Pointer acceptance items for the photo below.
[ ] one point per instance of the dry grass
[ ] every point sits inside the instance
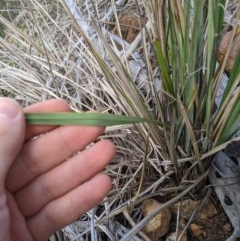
(46, 53)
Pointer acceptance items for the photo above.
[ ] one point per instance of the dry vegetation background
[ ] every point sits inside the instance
(45, 54)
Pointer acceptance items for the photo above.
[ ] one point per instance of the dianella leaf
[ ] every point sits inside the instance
(167, 82)
(85, 119)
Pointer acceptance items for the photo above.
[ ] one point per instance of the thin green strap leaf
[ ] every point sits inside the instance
(85, 119)
(167, 82)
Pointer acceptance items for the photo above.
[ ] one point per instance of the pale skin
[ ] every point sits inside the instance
(41, 191)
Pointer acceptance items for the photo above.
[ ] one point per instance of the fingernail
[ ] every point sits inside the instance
(8, 108)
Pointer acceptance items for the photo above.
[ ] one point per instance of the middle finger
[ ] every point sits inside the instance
(64, 178)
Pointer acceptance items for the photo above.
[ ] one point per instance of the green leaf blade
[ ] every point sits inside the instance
(85, 119)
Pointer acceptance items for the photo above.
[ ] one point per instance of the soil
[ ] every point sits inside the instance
(215, 226)
(216, 229)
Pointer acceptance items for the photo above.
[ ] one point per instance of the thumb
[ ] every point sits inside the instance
(12, 132)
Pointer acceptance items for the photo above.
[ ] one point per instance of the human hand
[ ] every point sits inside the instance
(40, 192)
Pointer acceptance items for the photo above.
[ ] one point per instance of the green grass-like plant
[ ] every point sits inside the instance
(166, 82)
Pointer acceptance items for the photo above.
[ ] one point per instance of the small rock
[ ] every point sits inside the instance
(208, 211)
(159, 225)
(227, 228)
(130, 27)
(188, 207)
(233, 52)
(196, 229)
(174, 235)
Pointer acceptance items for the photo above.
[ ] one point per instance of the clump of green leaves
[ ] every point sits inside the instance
(186, 43)
(67, 49)
(185, 39)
